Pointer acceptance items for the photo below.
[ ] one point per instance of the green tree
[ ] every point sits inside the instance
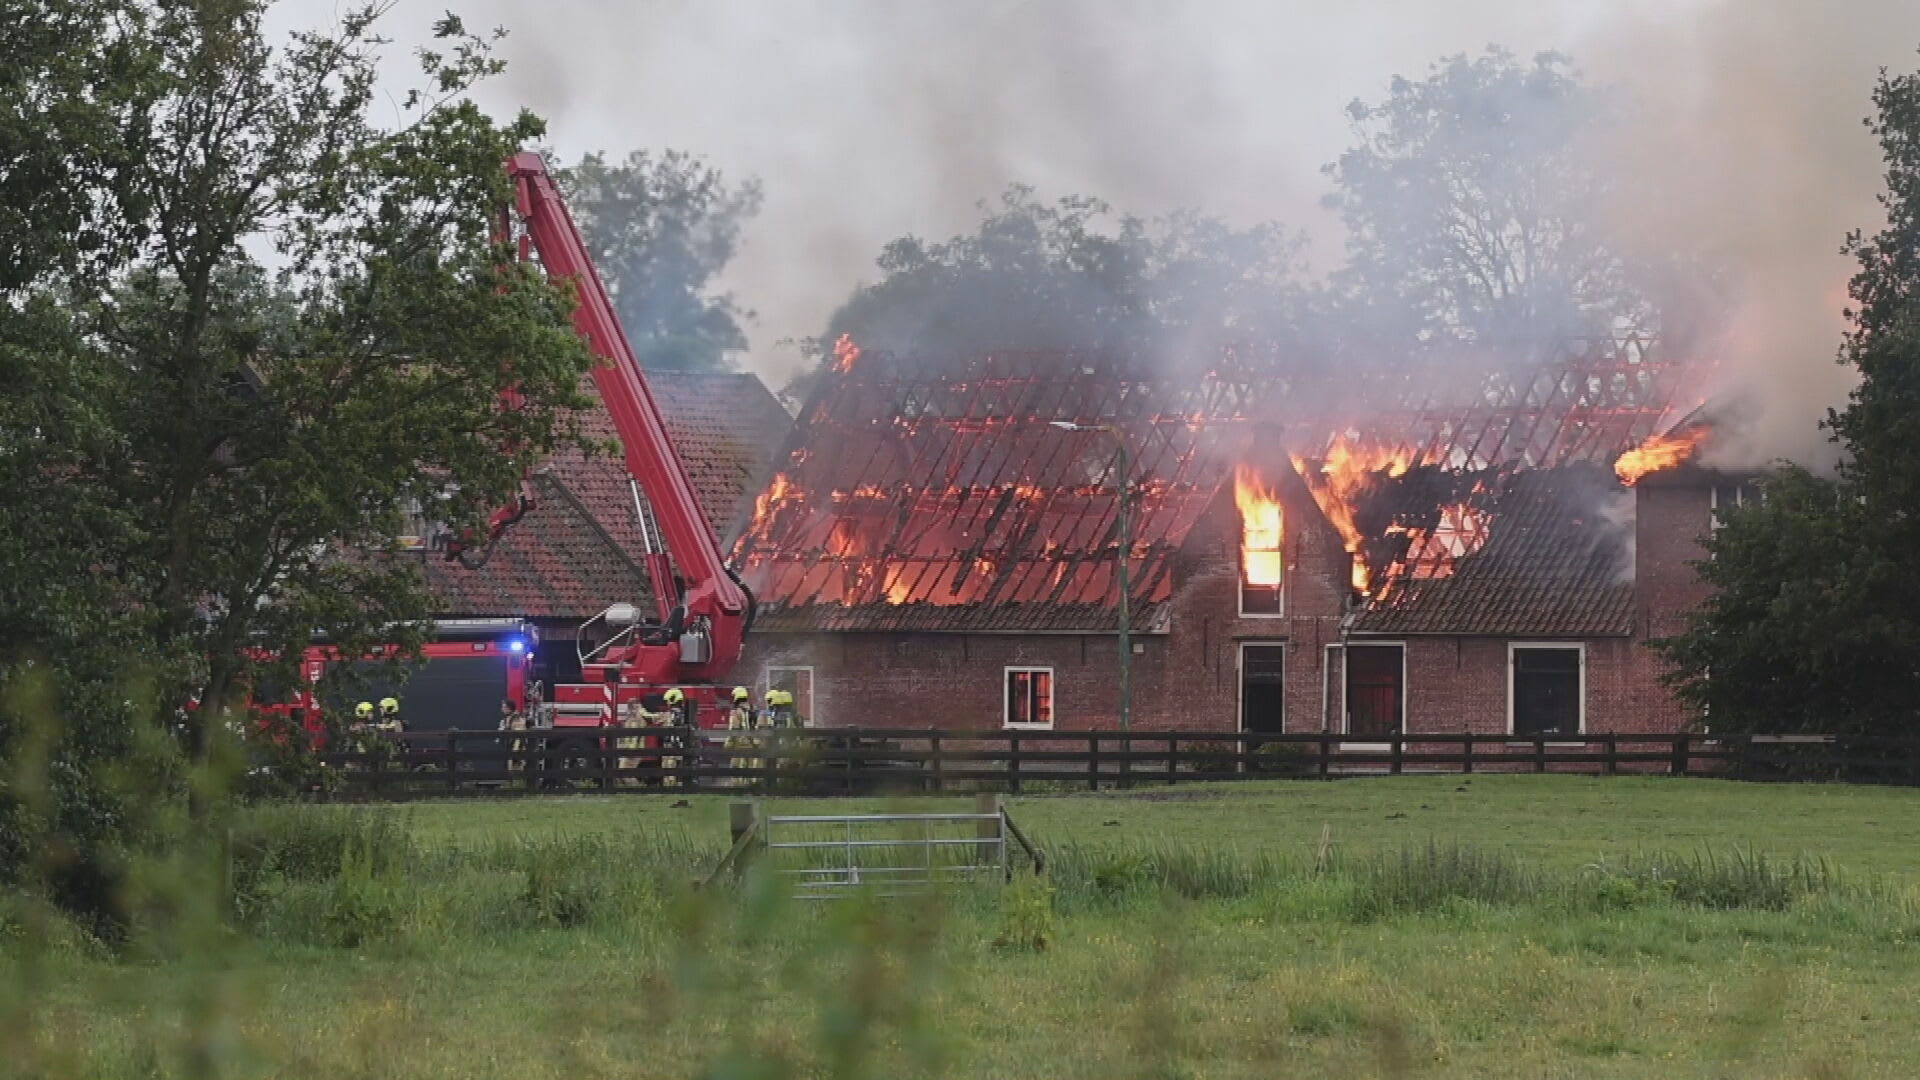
(660, 229)
(1472, 204)
(208, 456)
(1815, 620)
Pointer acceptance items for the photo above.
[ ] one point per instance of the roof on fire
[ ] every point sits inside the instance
(1557, 562)
(939, 495)
(580, 550)
(929, 494)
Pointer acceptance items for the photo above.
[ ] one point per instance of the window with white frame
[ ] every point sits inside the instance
(1029, 698)
(797, 681)
(1547, 688)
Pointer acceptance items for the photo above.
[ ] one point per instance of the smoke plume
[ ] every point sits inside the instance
(869, 119)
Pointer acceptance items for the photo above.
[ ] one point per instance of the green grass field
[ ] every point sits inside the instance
(1498, 927)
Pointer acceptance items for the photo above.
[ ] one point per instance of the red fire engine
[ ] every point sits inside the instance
(701, 609)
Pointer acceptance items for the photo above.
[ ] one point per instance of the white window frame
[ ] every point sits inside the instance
(1053, 697)
(813, 688)
(1240, 678)
(1240, 587)
(1513, 672)
(1346, 690)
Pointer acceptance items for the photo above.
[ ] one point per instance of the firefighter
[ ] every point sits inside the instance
(637, 716)
(360, 732)
(740, 719)
(390, 716)
(779, 712)
(675, 715)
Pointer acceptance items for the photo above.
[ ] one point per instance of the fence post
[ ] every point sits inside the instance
(1680, 754)
(1326, 754)
(453, 762)
(1613, 753)
(741, 816)
(989, 833)
(939, 764)
(1539, 753)
(608, 762)
(1466, 754)
(1013, 762)
(1126, 759)
(1093, 761)
(1399, 746)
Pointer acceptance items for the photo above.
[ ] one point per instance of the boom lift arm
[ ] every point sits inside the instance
(705, 624)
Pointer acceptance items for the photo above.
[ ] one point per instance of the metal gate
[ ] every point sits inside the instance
(831, 855)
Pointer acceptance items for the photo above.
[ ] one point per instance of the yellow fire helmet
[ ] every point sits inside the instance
(740, 694)
(363, 710)
(389, 706)
(675, 696)
(779, 697)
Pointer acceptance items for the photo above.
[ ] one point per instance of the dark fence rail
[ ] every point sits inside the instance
(863, 760)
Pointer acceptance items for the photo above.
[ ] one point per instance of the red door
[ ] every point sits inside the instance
(1374, 689)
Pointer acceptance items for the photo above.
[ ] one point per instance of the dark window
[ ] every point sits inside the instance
(1263, 688)
(1546, 691)
(1374, 689)
(1030, 697)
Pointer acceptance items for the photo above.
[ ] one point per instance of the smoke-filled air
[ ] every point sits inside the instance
(1727, 161)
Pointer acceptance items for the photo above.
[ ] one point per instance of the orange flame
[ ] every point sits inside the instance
(845, 353)
(1461, 531)
(1260, 527)
(763, 503)
(1657, 453)
(1345, 474)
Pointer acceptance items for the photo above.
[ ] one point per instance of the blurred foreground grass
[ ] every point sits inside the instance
(1526, 927)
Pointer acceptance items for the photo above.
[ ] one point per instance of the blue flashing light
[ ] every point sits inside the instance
(516, 645)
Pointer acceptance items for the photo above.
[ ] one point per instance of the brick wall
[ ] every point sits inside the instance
(1673, 511)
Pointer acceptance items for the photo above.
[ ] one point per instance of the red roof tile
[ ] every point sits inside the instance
(580, 549)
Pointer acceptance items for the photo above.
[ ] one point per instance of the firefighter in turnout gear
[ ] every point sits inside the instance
(779, 712)
(676, 716)
(390, 716)
(739, 721)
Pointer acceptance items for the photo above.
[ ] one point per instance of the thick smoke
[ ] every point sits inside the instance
(870, 119)
(1750, 152)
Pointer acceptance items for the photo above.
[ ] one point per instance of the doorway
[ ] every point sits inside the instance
(1376, 690)
(1263, 688)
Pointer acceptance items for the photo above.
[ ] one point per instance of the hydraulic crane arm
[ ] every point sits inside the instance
(714, 599)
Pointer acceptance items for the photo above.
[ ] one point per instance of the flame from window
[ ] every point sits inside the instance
(1657, 453)
(1260, 527)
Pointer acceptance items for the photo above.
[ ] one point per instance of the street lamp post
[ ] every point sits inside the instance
(1126, 559)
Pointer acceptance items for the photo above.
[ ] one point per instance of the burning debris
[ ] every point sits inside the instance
(1341, 480)
(845, 354)
(1658, 453)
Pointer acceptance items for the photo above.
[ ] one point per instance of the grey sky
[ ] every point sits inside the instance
(869, 119)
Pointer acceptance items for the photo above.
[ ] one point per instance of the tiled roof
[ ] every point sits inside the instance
(556, 563)
(1557, 562)
(941, 496)
(580, 550)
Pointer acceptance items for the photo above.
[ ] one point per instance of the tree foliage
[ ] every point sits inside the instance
(1815, 622)
(1076, 273)
(1473, 209)
(660, 229)
(206, 447)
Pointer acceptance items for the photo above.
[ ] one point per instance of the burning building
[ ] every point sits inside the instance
(940, 544)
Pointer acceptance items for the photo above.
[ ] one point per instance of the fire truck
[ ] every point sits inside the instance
(478, 669)
(701, 611)
(475, 670)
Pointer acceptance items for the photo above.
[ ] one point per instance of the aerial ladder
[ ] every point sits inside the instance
(702, 611)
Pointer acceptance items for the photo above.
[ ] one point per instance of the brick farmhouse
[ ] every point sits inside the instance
(938, 545)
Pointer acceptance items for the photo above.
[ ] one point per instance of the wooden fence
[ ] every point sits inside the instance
(864, 760)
